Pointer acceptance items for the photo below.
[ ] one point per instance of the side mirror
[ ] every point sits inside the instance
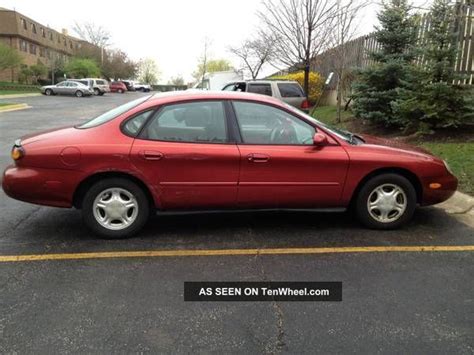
(320, 139)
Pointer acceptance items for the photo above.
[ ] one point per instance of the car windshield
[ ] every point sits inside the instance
(110, 115)
(346, 135)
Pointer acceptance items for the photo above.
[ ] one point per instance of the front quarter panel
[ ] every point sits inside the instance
(366, 159)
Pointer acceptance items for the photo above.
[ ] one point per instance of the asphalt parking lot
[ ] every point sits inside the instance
(393, 302)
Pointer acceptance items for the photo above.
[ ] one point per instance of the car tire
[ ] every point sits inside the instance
(101, 93)
(79, 93)
(104, 208)
(120, 91)
(96, 92)
(48, 92)
(386, 201)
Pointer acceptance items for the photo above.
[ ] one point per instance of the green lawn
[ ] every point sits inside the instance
(460, 157)
(12, 92)
(327, 114)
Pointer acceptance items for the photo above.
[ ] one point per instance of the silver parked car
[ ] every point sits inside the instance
(67, 87)
(287, 91)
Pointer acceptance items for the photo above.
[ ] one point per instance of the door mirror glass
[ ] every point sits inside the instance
(320, 139)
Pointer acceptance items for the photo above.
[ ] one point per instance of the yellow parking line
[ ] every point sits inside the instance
(222, 252)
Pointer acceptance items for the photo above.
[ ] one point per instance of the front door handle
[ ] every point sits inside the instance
(258, 158)
(151, 155)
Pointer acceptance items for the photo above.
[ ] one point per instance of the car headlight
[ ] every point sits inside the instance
(448, 168)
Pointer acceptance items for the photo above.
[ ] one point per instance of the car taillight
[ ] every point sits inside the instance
(305, 104)
(17, 152)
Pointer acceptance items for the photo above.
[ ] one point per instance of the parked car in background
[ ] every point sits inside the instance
(98, 86)
(142, 87)
(117, 86)
(287, 91)
(67, 87)
(216, 80)
(129, 84)
(220, 150)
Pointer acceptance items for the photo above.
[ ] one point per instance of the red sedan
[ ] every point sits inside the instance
(117, 86)
(223, 150)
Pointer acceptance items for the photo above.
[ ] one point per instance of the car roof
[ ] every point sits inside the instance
(186, 95)
(264, 81)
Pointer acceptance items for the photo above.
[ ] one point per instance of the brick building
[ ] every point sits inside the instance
(37, 43)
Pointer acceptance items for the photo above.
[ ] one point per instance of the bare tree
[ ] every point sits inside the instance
(200, 73)
(254, 53)
(97, 35)
(301, 29)
(345, 29)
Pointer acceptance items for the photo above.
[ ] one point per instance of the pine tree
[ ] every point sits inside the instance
(439, 102)
(378, 86)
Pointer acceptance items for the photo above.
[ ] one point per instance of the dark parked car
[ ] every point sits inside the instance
(117, 86)
(220, 150)
(129, 85)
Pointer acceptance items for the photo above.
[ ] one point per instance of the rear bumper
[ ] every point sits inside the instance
(50, 187)
(431, 196)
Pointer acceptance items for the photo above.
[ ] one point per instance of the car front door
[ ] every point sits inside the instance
(280, 165)
(61, 88)
(186, 152)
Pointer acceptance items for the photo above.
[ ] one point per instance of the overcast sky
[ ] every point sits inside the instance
(172, 32)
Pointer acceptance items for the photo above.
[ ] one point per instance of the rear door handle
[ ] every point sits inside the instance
(151, 155)
(258, 158)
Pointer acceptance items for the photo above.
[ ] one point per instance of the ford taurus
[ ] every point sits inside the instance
(222, 150)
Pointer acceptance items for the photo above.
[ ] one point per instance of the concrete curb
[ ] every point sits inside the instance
(460, 206)
(14, 96)
(14, 107)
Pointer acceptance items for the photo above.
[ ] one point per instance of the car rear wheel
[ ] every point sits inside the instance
(79, 93)
(386, 201)
(96, 92)
(115, 208)
(48, 92)
(120, 91)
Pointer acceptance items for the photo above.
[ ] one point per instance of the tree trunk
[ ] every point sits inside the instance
(306, 79)
(338, 100)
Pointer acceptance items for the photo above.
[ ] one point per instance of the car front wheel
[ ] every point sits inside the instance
(115, 208)
(386, 201)
(79, 93)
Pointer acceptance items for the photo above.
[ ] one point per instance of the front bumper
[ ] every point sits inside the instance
(50, 187)
(431, 196)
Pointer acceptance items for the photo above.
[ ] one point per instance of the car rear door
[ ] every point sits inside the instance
(291, 93)
(185, 150)
(280, 166)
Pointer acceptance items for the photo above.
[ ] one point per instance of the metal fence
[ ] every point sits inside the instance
(358, 50)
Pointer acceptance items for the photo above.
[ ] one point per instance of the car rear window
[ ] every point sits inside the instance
(290, 90)
(100, 82)
(110, 115)
(263, 89)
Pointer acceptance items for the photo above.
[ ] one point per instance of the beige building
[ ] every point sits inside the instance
(37, 43)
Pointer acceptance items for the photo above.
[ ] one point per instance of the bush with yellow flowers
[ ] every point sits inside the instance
(316, 82)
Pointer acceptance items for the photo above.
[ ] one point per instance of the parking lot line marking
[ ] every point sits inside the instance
(225, 252)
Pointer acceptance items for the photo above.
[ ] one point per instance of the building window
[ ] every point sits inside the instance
(70, 44)
(50, 35)
(64, 42)
(23, 23)
(42, 52)
(43, 32)
(59, 39)
(23, 46)
(48, 53)
(33, 48)
(33, 28)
